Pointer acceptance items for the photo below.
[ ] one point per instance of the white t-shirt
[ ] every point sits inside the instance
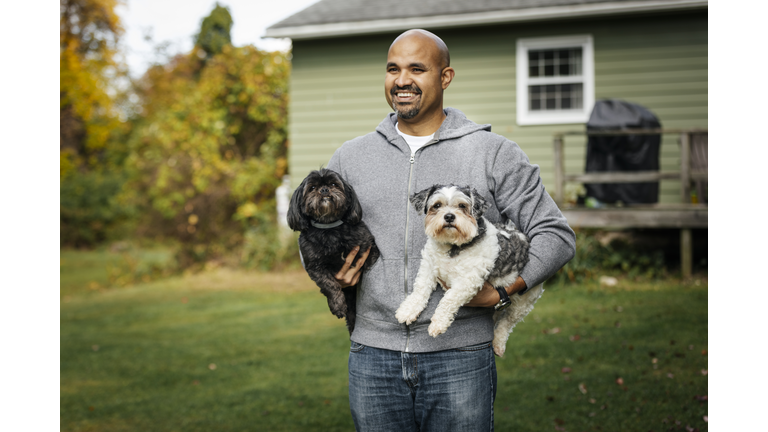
(414, 142)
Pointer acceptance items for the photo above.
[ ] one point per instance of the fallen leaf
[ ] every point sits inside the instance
(555, 330)
(212, 366)
(574, 338)
(95, 347)
(703, 352)
(700, 398)
(602, 407)
(706, 419)
(670, 375)
(619, 381)
(704, 371)
(565, 370)
(591, 400)
(654, 360)
(90, 408)
(583, 388)
(690, 347)
(327, 402)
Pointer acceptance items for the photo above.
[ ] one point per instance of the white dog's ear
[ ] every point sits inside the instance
(479, 203)
(419, 199)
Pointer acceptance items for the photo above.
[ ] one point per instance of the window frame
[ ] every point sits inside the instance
(587, 79)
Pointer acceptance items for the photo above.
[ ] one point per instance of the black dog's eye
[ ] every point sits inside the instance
(312, 188)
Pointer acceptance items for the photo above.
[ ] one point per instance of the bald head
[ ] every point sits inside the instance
(423, 36)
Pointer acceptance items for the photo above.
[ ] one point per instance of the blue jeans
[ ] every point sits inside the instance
(440, 391)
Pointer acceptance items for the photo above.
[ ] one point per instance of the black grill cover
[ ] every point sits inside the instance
(622, 153)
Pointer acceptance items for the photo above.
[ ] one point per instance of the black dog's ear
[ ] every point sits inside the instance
(296, 218)
(354, 210)
(419, 199)
(479, 203)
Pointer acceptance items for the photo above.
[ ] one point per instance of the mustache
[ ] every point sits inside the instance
(409, 88)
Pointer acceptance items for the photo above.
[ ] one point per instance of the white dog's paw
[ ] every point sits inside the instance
(499, 349)
(437, 328)
(406, 314)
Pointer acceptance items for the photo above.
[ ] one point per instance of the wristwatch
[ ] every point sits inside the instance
(504, 300)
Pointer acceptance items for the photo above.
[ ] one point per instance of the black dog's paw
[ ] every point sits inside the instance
(338, 305)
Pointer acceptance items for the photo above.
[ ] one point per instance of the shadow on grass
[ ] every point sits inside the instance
(232, 350)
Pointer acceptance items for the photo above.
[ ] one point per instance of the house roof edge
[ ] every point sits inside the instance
(317, 31)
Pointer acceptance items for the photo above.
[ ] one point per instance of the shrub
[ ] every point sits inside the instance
(90, 210)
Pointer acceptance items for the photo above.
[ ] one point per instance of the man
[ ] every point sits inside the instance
(400, 378)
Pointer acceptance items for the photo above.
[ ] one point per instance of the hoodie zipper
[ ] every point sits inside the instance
(407, 225)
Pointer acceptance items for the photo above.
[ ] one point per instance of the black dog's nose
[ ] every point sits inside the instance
(324, 190)
(449, 217)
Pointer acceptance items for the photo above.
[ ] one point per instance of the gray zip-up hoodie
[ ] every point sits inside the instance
(380, 168)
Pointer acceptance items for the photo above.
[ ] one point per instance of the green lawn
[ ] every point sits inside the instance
(241, 351)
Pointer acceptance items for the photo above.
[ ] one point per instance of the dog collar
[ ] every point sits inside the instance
(326, 226)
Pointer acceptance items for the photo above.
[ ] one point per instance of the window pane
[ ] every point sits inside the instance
(555, 62)
(555, 97)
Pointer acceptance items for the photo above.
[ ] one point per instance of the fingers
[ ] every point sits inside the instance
(347, 263)
(350, 272)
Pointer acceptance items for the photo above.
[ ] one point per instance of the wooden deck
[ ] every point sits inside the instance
(684, 215)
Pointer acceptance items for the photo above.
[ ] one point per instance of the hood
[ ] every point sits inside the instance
(455, 125)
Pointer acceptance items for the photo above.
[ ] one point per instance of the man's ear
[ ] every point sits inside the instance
(479, 204)
(419, 199)
(446, 76)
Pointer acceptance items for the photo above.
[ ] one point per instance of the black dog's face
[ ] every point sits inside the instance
(323, 197)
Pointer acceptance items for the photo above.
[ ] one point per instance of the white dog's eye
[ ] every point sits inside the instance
(436, 206)
(462, 206)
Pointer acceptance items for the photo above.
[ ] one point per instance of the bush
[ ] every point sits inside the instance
(90, 211)
(617, 256)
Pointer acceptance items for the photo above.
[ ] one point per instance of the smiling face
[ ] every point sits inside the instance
(418, 72)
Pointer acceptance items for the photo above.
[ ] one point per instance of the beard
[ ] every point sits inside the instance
(406, 111)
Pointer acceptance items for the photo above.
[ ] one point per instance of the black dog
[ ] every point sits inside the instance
(325, 209)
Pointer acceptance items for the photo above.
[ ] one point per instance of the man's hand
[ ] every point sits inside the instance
(350, 273)
(489, 297)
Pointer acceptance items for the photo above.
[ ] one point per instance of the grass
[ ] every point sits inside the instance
(233, 350)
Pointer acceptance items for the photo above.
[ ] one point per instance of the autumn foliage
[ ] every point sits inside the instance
(206, 146)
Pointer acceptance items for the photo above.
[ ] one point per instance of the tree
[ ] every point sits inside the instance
(209, 149)
(214, 31)
(90, 131)
(89, 33)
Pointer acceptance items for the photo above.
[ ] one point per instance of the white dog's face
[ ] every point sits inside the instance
(449, 216)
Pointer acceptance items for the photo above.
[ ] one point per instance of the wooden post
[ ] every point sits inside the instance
(686, 252)
(559, 171)
(685, 167)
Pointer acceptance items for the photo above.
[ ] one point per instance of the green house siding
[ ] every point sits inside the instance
(658, 61)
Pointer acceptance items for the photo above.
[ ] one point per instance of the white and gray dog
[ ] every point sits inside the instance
(463, 251)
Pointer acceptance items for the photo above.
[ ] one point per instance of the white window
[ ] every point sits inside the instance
(555, 80)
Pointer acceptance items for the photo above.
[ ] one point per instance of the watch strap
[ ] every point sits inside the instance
(504, 300)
